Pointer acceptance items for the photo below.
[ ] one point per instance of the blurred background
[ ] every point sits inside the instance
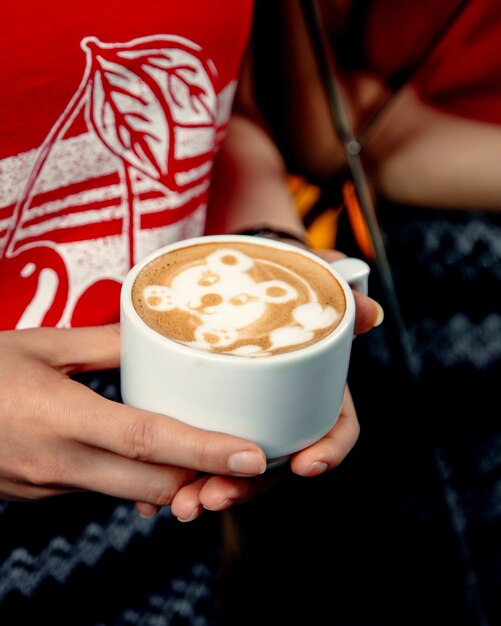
(388, 113)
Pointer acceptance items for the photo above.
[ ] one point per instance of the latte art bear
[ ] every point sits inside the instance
(239, 298)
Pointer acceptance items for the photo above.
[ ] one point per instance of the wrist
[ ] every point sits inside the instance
(276, 234)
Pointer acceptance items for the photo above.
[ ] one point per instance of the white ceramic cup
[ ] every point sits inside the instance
(282, 402)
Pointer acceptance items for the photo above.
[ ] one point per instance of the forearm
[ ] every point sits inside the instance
(249, 185)
(422, 156)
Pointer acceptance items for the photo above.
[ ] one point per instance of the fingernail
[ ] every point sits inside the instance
(315, 469)
(222, 505)
(248, 463)
(193, 515)
(380, 314)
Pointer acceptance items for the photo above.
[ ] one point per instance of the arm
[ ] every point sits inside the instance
(423, 156)
(416, 154)
(249, 186)
(250, 189)
(249, 181)
(58, 436)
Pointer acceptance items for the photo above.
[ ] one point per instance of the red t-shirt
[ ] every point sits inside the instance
(111, 114)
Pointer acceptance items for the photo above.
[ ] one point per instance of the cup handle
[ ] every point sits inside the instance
(355, 272)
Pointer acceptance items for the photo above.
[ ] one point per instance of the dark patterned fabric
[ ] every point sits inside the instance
(447, 271)
(91, 560)
(406, 531)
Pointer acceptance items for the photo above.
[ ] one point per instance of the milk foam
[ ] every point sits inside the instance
(240, 304)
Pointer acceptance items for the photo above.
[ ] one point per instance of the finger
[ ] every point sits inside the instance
(108, 473)
(369, 313)
(330, 255)
(154, 438)
(146, 510)
(74, 350)
(222, 492)
(334, 447)
(91, 348)
(186, 505)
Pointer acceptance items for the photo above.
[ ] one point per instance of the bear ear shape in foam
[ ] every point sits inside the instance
(276, 291)
(229, 260)
(160, 298)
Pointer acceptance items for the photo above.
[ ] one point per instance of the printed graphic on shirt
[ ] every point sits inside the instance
(124, 170)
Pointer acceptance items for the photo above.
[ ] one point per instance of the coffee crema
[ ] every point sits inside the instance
(239, 298)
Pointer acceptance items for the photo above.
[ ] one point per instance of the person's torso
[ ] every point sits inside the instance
(111, 115)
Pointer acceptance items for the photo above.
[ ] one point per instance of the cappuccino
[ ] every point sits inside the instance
(239, 298)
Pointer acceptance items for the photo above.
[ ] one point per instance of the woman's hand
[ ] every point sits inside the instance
(369, 313)
(221, 492)
(57, 436)
(217, 493)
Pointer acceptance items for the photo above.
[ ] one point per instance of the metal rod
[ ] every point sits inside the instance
(362, 187)
(352, 151)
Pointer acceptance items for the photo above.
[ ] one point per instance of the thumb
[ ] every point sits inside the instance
(369, 313)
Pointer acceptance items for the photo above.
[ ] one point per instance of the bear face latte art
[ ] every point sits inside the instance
(239, 298)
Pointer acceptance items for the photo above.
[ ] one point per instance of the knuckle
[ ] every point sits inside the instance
(139, 440)
(162, 497)
(44, 474)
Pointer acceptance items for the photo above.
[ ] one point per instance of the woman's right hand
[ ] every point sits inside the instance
(58, 436)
